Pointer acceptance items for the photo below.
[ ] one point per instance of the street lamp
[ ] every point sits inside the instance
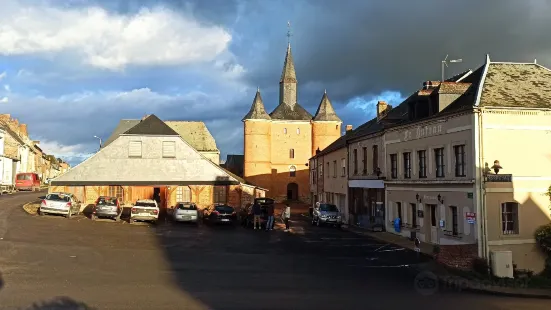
(445, 63)
(99, 141)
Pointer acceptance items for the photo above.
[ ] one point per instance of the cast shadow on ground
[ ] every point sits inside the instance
(59, 303)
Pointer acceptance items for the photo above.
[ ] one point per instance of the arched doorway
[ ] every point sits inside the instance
(292, 191)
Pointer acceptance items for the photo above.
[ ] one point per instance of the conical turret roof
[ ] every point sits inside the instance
(325, 110)
(257, 110)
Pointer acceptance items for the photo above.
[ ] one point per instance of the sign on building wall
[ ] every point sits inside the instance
(422, 132)
(471, 217)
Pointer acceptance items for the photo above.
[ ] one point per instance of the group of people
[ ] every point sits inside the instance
(257, 214)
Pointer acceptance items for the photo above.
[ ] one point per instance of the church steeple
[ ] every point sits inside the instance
(288, 81)
(325, 110)
(257, 110)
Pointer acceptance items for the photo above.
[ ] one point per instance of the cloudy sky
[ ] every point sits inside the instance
(71, 69)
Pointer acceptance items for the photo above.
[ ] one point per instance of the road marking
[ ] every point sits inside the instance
(377, 250)
(364, 266)
(393, 250)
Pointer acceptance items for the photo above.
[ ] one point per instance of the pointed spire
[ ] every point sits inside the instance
(288, 75)
(257, 110)
(325, 110)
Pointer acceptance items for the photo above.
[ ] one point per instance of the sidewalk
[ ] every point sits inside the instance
(432, 271)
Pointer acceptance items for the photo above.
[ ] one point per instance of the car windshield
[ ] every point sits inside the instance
(145, 204)
(107, 201)
(225, 209)
(24, 177)
(329, 208)
(188, 206)
(57, 197)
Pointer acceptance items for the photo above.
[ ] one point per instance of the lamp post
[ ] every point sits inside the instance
(445, 64)
(99, 140)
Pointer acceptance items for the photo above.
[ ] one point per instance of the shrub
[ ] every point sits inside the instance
(543, 238)
(480, 265)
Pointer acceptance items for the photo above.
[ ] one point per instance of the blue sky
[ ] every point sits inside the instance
(71, 69)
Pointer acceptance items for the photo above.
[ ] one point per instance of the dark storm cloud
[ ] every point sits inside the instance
(378, 45)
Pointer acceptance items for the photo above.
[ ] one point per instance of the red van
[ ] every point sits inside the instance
(27, 182)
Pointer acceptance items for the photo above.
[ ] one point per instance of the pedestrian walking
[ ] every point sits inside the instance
(270, 213)
(417, 247)
(286, 215)
(257, 211)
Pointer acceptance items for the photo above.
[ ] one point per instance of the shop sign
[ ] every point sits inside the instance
(471, 217)
(422, 132)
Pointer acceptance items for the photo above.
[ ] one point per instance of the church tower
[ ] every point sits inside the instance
(257, 143)
(278, 145)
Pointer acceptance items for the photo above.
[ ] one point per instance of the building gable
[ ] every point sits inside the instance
(112, 165)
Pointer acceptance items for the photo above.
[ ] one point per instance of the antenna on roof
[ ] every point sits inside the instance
(445, 63)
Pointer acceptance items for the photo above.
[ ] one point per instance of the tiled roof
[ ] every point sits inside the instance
(295, 113)
(453, 88)
(257, 110)
(123, 126)
(516, 85)
(195, 134)
(325, 110)
(151, 125)
(235, 163)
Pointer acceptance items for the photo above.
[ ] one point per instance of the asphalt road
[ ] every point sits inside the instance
(57, 263)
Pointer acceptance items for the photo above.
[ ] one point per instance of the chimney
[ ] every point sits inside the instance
(23, 130)
(318, 151)
(348, 128)
(146, 116)
(382, 109)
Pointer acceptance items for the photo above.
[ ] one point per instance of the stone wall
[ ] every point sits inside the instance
(457, 256)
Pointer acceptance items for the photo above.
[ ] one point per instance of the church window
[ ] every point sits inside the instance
(298, 131)
(292, 153)
(285, 130)
(293, 171)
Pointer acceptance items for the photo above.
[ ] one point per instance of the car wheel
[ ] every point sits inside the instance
(40, 213)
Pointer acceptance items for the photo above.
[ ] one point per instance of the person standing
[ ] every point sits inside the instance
(270, 213)
(286, 215)
(257, 211)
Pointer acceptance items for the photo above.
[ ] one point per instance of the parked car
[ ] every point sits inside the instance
(220, 214)
(28, 181)
(59, 203)
(326, 214)
(146, 210)
(247, 217)
(106, 206)
(185, 212)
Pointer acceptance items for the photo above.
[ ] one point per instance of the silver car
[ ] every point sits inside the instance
(326, 214)
(185, 212)
(59, 203)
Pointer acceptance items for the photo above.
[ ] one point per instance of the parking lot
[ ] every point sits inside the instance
(106, 265)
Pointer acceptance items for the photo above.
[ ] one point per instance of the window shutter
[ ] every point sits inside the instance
(135, 149)
(169, 149)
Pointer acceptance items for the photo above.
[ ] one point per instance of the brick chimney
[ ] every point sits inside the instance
(348, 128)
(23, 130)
(146, 116)
(382, 109)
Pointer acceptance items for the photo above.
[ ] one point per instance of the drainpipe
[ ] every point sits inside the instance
(481, 199)
(483, 188)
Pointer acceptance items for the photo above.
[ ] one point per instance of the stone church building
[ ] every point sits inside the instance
(277, 146)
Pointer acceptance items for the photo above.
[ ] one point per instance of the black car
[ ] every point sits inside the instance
(108, 207)
(247, 216)
(222, 214)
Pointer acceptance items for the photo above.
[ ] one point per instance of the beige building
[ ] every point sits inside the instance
(329, 176)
